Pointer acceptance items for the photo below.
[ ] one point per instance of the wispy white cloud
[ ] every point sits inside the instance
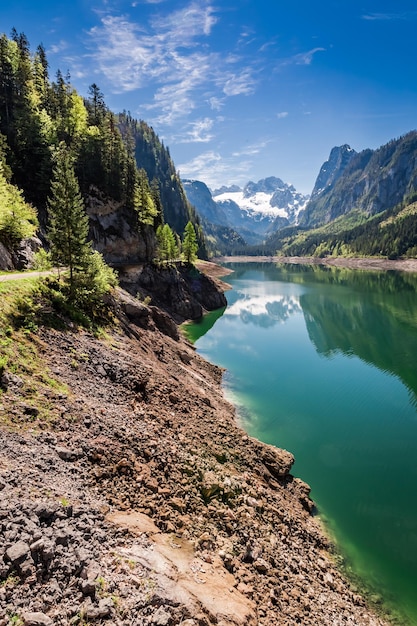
(402, 15)
(198, 132)
(305, 58)
(216, 104)
(169, 54)
(238, 84)
(184, 25)
(282, 114)
(252, 149)
(216, 170)
(137, 2)
(58, 47)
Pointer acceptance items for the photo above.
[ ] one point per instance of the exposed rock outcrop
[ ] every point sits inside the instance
(332, 169)
(6, 261)
(115, 233)
(22, 257)
(181, 290)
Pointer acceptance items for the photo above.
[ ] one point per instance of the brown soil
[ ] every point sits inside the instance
(143, 502)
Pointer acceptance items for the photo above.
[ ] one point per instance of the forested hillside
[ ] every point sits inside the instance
(151, 155)
(391, 234)
(362, 205)
(126, 177)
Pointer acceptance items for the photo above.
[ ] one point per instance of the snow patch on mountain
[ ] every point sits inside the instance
(254, 212)
(260, 202)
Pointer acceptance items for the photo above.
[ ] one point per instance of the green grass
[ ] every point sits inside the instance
(27, 306)
(21, 354)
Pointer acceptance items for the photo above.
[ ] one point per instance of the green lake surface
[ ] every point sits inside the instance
(323, 362)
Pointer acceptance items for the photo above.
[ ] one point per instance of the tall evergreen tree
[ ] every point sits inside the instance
(189, 244)
(89, 276)
(68, 228)
(96, 105)
(167, 244)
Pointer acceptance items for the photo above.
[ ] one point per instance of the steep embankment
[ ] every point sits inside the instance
(139, 500)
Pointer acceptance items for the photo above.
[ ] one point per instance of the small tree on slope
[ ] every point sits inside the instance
(89, 276)
(68, 221)
(189, 244)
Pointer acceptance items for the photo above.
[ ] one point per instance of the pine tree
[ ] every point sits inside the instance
(89, 275)
(189, 244)
(144, 203)
(95, 105)
(68, 227)
(167, 244)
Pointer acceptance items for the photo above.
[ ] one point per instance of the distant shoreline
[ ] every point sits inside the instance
(362, 263)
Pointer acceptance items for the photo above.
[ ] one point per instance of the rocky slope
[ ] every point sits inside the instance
(141, 501)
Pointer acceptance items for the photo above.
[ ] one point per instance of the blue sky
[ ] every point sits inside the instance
(240, 90)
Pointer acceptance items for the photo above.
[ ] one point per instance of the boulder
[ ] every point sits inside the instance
(37, 619)
(6, 261)
(164, 323)
(24, 256)
(182, 290)
(9, 381)
(67, 454)
(278, 462)
(18, 552)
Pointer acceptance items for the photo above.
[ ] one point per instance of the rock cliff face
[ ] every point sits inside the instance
(21, 257)
(182, 291)
(369, 181)
(332, 169)
(114, 232)
(6, 261)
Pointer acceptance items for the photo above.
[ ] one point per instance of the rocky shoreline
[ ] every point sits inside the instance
(141, 501)
(362, 263)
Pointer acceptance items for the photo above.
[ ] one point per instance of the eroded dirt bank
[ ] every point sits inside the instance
(142, 502)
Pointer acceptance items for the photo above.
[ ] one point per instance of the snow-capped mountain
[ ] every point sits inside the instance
(254, 211)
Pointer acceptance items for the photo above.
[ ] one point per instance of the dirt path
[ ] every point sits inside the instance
(24, 275)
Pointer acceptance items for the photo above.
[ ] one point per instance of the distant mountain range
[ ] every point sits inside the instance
(352, 188)
(253, 212)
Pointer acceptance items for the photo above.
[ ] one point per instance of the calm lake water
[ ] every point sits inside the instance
(323, 362)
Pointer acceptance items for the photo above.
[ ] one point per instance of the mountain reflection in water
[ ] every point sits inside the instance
(342, 320)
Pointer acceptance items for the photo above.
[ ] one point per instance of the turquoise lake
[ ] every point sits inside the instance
(323, 362)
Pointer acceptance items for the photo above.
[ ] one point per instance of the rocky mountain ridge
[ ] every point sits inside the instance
(254, 211)
(369, 181)
(332, 169)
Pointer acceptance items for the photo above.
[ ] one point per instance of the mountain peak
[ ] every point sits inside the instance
(332, 169)
(252, 212)
(265, 185)
(226, 189)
